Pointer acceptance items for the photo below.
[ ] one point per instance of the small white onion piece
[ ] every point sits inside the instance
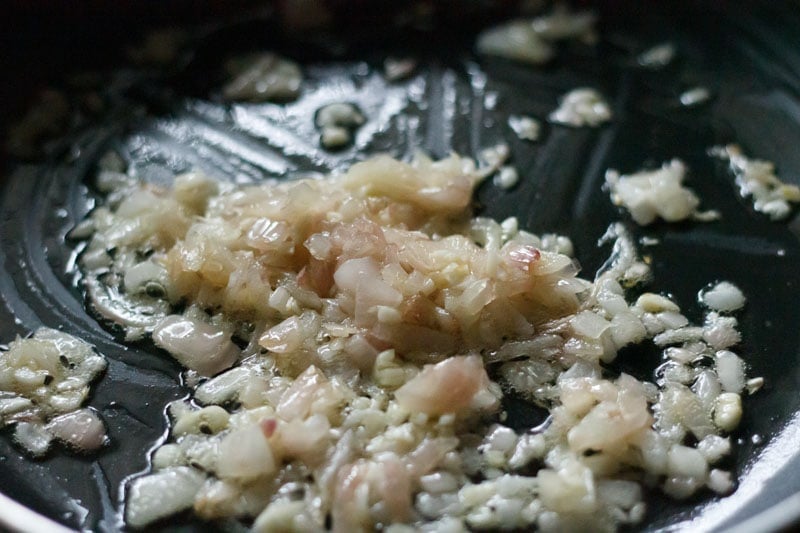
(589, 324)
(714, 448)
(245, 454)
(162, 494)
(730, 369)
(620, 493)
(728, 411)
(687, 462)
(724, 297)
(196, 345)
(447, 387)
(720, 481)
(284, 516)
(33, 437)
(224, 387)
(81, 429)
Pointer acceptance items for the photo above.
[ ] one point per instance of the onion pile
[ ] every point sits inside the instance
(581, 107)
(652, 194)
(351, 340)
(756, 179)
(44, 381)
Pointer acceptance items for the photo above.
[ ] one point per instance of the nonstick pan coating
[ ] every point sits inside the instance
(170, 120)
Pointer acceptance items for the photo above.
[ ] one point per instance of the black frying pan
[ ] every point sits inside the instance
(167, 121)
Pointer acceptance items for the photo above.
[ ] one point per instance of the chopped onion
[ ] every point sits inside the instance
(245, 454)
(81, 429)
(581, 107)
(33, 437)
(196, 345)
(730, 369)
(162, 494)
(447, 387)
(683, 461)
(589, 324)
(724, 297)
(728, 411)
(648, 195)
(364, 301)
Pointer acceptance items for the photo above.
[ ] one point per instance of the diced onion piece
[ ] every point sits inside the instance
(589, 324)
(196, 345)
(193, 190)
(728, 411)
(223, 387)
(724, 297)
(162, 494)
(525, 127)
(714, 448)
(245, 454)
(33, 437)
(46, 378)
(306, 440)
(289, 336)
(655, 303)
(310, 393)
(211, 419)
(581, 107)
(284, 516)
(627, 328)
(720, 481)
(618, 492)
(613, 421)
(447, 387)
(166, 456)
(650, 194)
(730, 369)
(568, 490)
(687, 462)
(81, 429)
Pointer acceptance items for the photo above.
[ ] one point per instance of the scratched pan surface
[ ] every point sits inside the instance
(173, 121)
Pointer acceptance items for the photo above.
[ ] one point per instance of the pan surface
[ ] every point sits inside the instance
(169, 120)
